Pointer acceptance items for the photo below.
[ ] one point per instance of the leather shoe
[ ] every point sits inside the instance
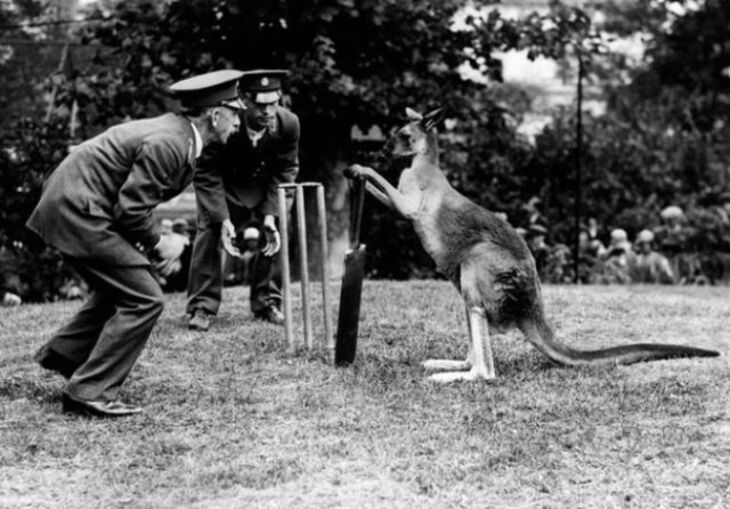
(272, 314)
(49, 359)
(199, 320)
(98, 408)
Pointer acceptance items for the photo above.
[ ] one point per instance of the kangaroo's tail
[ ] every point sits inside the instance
(539, 333)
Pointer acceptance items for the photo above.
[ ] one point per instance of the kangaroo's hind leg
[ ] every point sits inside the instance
(480, 363)
(453, 365)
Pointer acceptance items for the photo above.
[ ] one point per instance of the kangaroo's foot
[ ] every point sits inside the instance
(461, 376)
(446, 365)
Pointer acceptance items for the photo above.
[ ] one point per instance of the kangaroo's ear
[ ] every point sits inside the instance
(413, 114)
(432, 118)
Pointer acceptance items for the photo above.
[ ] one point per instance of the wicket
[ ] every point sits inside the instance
(299, 188)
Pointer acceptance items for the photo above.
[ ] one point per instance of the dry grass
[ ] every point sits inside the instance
(232, 421)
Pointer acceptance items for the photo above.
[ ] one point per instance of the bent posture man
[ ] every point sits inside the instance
(96, 208)
(237, 184)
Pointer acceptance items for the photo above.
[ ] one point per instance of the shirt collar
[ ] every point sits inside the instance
(198, 141)
(255, 136)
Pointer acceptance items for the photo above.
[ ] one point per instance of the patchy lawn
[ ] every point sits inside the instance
(232, 421)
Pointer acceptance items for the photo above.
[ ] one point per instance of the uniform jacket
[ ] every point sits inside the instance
(245, 175)
(98, 203)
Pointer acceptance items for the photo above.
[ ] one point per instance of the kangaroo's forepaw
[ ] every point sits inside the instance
(460, 376)
(356, 171)
(445, 365)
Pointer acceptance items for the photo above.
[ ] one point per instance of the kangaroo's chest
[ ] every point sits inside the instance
(429, 228)
(428, 202)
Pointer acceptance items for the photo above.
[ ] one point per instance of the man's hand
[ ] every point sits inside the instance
(273, 239)
(171, 246)
(228, 235)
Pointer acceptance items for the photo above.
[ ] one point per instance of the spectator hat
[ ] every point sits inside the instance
(672, 212)
(536, 229)
(645, 236)
(217, 88)
(263, 85)
(618, 235)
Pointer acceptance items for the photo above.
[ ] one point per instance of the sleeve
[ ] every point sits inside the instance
(208, 183)
(145, 187)
(285, 165)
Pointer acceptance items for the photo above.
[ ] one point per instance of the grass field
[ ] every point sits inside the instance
(232, 421)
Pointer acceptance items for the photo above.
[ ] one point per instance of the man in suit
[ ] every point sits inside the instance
(96, 209)
(235, 185)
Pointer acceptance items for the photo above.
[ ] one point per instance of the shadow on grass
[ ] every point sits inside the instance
(18, 388)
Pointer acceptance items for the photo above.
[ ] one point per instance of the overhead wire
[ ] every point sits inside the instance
(35, 24)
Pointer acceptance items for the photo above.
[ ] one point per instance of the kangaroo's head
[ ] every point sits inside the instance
(416, 139)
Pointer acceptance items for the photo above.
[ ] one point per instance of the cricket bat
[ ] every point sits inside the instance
(354, 273)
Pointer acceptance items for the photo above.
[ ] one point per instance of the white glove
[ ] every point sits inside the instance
(273, 239)
(228, 235)
(171, 245)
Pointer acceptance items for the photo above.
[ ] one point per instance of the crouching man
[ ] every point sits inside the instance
(96, 209)
(237, 184)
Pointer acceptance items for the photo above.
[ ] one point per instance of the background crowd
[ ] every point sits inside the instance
(676, 249)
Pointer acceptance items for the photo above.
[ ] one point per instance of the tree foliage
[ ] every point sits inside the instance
(664, 138)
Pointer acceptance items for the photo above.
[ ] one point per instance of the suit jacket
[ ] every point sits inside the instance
(98, 203)
(248, 176)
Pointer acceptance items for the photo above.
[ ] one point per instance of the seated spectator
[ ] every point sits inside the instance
(590, 252)
(590, 246)
(535, 238)
(648, 266)
(671, 235)
(672, 240)
(559, 269)
(73, 288)
(615, 264)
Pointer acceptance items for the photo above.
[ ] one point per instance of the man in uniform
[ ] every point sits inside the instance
(97, 210)
(237, 184)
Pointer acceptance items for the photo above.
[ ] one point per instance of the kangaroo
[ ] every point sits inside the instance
(484, 257)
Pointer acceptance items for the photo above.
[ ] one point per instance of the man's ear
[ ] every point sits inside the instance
(432, 118)
(413, 114)
(214, 114)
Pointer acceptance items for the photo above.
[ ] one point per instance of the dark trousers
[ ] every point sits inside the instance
(107, 335)
(205, 282)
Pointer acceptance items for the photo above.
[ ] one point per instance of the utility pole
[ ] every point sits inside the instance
(577, 190)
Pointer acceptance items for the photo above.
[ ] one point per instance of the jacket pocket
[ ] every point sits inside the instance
(94, 209)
